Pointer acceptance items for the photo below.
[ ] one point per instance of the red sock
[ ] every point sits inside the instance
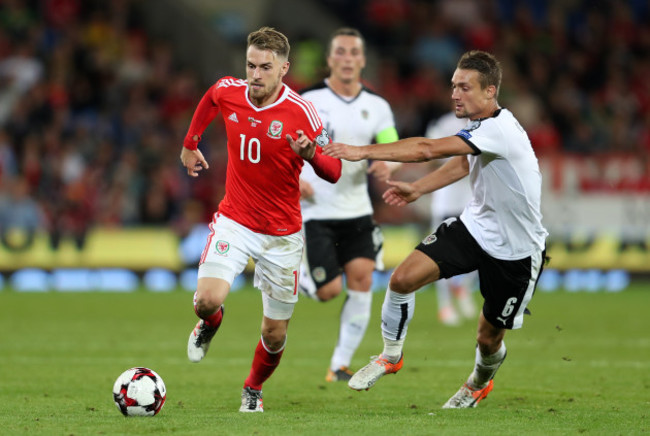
(213, 320)
(264, 363)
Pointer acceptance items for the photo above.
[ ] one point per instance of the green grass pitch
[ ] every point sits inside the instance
(580, 365)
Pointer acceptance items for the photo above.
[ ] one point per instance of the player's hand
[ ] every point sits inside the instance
(302, 146)
(343, 151)
(400, 193)
(306, 190)
(194, 161)
(380, 169)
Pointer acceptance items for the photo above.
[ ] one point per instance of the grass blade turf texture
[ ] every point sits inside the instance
(581, 364)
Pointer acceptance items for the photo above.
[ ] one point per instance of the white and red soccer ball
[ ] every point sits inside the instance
(139, 392)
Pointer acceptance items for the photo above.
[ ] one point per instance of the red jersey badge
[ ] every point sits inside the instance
(275, 129)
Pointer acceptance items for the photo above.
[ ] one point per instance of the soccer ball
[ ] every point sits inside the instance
(139, 392)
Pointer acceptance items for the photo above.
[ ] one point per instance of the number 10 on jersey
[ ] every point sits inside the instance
(250, 149)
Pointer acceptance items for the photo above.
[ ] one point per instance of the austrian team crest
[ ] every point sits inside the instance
(275, 129)
(222, 247)
(319, 274)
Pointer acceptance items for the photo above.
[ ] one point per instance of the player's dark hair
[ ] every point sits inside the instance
(267, 38)
(488, 67)
(345, 31)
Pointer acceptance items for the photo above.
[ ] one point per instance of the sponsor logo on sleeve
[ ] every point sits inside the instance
(473, 125)
(464, 133)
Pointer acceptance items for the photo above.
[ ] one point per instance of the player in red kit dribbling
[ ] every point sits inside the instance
(271, 132)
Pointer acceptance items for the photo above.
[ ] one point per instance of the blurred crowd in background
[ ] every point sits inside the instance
(93, 110)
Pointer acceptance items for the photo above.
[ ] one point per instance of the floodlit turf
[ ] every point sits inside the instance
(580, 365)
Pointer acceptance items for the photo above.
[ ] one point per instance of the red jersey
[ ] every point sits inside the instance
(262, 187)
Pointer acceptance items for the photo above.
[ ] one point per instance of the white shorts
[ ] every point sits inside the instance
(277, 261)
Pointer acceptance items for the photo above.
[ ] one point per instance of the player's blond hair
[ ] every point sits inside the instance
(267, 38)
(488, 67)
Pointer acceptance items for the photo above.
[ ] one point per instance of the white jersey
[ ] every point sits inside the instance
(504, 215)
(355, 121)
(450, 200)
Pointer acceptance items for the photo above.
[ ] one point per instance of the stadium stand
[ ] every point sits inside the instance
(94, 104)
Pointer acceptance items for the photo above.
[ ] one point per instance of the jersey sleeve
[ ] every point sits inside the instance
(484, 137)
(205, 112)
(326, 167)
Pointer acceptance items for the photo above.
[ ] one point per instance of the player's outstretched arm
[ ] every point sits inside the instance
(417, 149)
(343, 151)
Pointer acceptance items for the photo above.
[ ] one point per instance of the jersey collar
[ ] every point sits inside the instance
(494, 115)
(340, 97)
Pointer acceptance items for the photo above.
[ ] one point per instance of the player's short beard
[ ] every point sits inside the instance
(462, 114)
(266, 92)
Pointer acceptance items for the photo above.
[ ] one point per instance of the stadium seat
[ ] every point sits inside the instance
(116, 280)
(238, 283)
(550, 280)
(188, 279)
(380, 280)
(73, 280)
(593, 280)
(616, 280)
(159, 280)
(30, 280)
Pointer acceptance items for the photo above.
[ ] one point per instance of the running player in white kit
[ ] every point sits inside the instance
(499, 233)
(340, 235)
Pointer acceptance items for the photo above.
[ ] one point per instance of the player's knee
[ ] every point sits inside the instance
(488, 345)
(401, 282)
(329, 290)
(274, 340)
(324, 295)
(360, 282)
(207, 303)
